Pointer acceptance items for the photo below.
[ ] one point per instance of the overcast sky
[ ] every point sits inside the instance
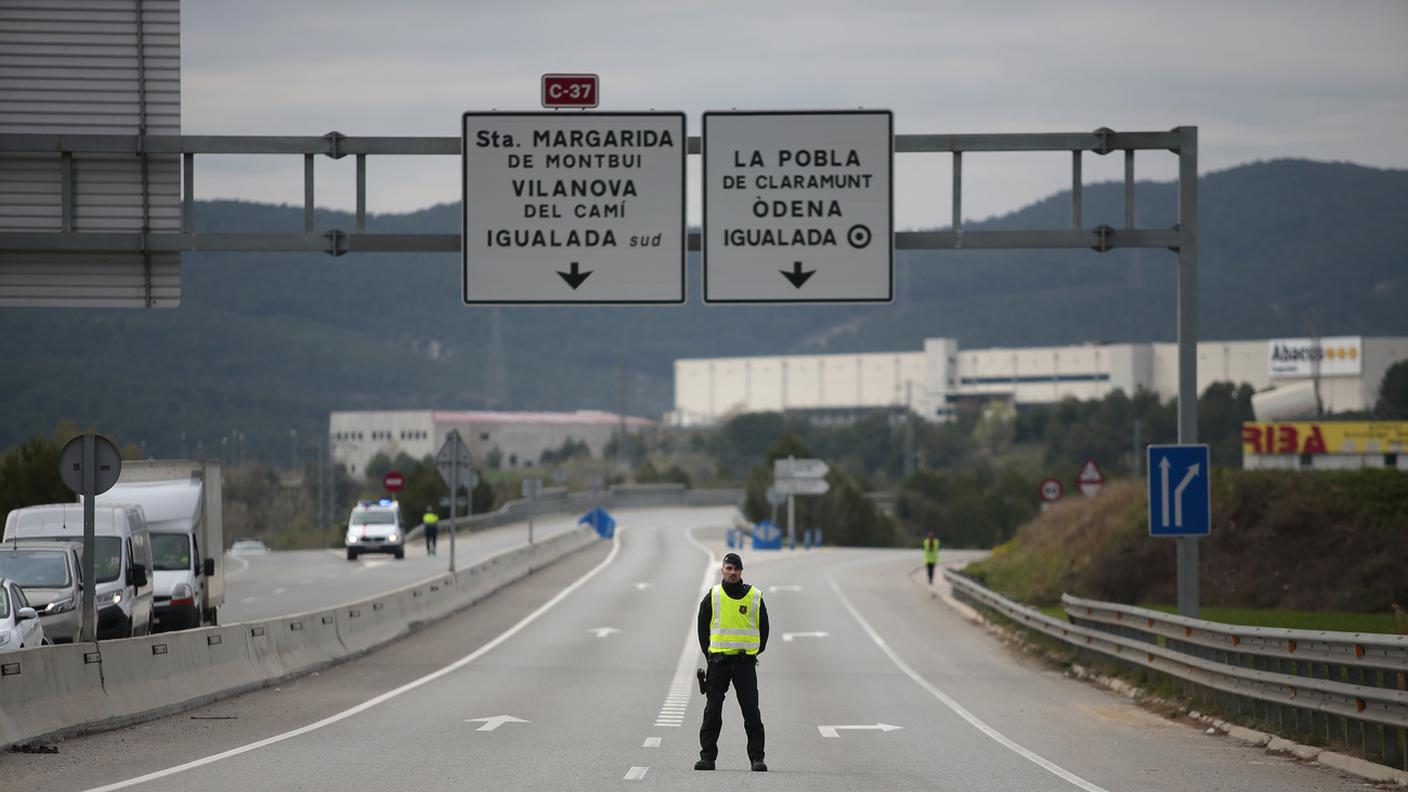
(1262, 79)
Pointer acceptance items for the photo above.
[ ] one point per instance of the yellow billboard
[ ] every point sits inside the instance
(1325, 437)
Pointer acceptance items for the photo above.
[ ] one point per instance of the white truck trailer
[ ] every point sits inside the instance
(182, 502)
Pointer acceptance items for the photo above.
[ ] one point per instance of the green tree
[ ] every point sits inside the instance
(1393, 393)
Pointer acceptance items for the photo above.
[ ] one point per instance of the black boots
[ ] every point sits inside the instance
(703, 764)
(759, 767)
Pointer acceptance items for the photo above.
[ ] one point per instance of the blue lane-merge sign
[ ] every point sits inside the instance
(1180, 497)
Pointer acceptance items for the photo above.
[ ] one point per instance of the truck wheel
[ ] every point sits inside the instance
(210, 618)
(351, 554)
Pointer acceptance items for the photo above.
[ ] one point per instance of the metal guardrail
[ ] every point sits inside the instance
(1343, 687)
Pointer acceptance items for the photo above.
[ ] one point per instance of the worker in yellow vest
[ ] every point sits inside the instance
(431, 521)
(733, 631)
(931, 554)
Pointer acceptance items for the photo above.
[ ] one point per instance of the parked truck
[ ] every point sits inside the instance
(182, 503)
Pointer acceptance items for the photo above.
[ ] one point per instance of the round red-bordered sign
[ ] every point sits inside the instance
(393, 481)
(1051, 490)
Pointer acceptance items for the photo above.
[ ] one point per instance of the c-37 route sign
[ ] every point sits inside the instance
(798, 206)
(580, 208)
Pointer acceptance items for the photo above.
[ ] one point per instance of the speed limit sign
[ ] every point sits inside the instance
(1051, 490)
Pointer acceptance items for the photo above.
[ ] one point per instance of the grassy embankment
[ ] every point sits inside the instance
(1322, 550)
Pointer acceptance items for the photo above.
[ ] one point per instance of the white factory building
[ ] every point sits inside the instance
(941, 376)
(519, 437)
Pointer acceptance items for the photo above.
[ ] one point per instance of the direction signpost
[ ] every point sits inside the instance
(1090, 479)
(1180, 506)
(573, 208)
(792, 477)
(89, 466)
(453, 462)
(798, 206)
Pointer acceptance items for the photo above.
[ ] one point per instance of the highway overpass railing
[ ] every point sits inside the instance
(557, 501)
(1328, 687)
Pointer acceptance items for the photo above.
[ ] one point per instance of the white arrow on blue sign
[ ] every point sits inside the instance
(1180, 497)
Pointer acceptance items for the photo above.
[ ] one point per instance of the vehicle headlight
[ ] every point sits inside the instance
(109, 599)
(60, 606)
(393, 538)
(181, 591)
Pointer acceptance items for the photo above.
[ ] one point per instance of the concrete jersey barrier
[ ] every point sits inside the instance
(54, 691)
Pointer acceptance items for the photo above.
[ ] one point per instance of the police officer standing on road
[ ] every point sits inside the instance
(931, 554)
(733, 631)
(431, 521)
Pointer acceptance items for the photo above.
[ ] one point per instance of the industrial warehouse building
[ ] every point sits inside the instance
(519, 437)
(934, 381)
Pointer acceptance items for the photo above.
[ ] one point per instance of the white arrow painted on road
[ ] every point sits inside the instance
(602, 632)
(831, 731)
(790, 636)
(495, 722)
(1178, 494)
(642, 586)
(772, 589)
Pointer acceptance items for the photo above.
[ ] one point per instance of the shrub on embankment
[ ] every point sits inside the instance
(1324, 540)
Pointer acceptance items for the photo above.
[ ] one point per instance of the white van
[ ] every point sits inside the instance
(122, 562)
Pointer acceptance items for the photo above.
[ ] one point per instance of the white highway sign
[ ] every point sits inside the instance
(799, 468)
(802, 486)
(799, 206)
(573, 208)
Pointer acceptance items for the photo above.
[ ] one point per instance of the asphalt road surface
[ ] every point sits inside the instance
(581, 678)
(284, 583)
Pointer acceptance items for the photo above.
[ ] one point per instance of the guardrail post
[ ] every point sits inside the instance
(1353, 727)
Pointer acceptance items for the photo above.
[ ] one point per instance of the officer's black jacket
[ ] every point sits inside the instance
(706, 615)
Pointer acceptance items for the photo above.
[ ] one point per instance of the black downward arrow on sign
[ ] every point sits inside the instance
(575, 277)
(797, 276)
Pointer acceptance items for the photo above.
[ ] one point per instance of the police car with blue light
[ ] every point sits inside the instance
(375, 527)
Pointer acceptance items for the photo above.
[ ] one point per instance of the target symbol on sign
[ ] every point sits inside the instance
(858, 236)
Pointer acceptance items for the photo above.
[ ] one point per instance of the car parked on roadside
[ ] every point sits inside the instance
(50, 576)
(19, 623)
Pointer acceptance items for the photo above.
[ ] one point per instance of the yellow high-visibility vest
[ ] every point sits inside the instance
(431, 518)
(734, 628)
(931, 550)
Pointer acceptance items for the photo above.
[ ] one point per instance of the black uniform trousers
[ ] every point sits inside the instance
(742, 671)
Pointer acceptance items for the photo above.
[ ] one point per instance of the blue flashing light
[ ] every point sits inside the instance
(385, 502)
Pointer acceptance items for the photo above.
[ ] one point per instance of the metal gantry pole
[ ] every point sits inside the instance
(1188, 344)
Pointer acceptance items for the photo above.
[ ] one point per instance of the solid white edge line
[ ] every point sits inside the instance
(387, 696)
(959, 709)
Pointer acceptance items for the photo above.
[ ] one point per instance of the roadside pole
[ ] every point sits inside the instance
(1188, 345)
(89, 627)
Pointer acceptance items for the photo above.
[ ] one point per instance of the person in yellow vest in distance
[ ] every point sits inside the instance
(431, 521)
(733, 631)
(931, 554)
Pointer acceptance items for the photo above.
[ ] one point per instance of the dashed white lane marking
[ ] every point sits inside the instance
(651, 742)
(280, 590)
(390, 694)
(959, 709)
(636, 773)
(306, 582)
(248, 600)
